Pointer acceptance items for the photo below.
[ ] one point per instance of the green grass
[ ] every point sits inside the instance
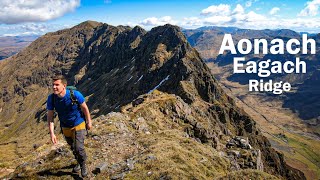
(305, 151)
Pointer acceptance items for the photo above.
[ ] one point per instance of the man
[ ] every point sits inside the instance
(72, 122)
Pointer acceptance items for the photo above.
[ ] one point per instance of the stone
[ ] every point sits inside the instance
(95, 137)
(118, 176)
(130, 164)
(151, 157)
(122, 127)
(101, 168)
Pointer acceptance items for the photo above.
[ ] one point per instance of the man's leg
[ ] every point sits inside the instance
(80, 151)
(70, 138)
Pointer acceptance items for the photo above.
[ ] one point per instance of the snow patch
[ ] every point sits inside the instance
(139, 79)
(130, 78)
(163, 80)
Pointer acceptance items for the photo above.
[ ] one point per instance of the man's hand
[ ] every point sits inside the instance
(54, 139)
(85, 110)
(89, 125)
(51, 126)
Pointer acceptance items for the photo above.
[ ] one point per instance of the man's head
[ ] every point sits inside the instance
(59, 84)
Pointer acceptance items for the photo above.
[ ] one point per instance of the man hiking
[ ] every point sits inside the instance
(74, 119)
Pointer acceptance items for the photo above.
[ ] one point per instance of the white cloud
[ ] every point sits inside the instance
(238, 10)
(153, 21)
(311, 9)
(107, 1)
(239, 18)
(20, 11)
(221, 9)
(254, 17)
(192, 21)
(31, 29)
(274, 11)
(217, 20)
(226, 18)
(21, 34)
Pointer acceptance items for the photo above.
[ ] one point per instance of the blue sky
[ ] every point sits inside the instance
(25, 17)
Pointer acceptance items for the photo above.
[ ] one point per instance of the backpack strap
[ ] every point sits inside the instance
(73, 98)
(75, 101)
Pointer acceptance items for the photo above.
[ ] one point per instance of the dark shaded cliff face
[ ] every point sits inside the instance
(112, 66)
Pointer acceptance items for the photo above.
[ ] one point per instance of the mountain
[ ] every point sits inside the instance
(294, 115)
(11, 45)
(158, 111)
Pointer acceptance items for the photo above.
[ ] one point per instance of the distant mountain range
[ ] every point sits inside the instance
(11, 45)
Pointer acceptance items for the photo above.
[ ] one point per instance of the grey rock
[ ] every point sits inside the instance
(118, 176)
(130, 164)
(122, 127)
(101, 167)
(151, 157)
(95, 137)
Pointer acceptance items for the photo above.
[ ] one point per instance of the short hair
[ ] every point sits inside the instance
(60, 77)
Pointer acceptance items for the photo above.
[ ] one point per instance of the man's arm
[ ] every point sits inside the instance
(85, 110)
(51, 126)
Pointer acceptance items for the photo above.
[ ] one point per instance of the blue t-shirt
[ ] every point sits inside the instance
(69, 115)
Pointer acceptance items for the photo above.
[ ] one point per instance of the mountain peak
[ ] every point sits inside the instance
(89, 23)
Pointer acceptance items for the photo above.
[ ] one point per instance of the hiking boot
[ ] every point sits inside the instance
(84, 172)
(76, 168)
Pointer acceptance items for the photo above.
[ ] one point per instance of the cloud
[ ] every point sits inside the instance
(311, 9)
(274, 11)
(221, 9)
(107, 1)
(238, 17)
(153, 21)
(20, 34)
(217, 20)
(19, 11)
(192, 22)
(227, 18)
(238, 10)
(30, 29)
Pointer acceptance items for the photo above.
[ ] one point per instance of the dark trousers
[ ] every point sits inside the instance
(77, 145)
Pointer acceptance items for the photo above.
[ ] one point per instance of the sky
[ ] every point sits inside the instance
(37, 17)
